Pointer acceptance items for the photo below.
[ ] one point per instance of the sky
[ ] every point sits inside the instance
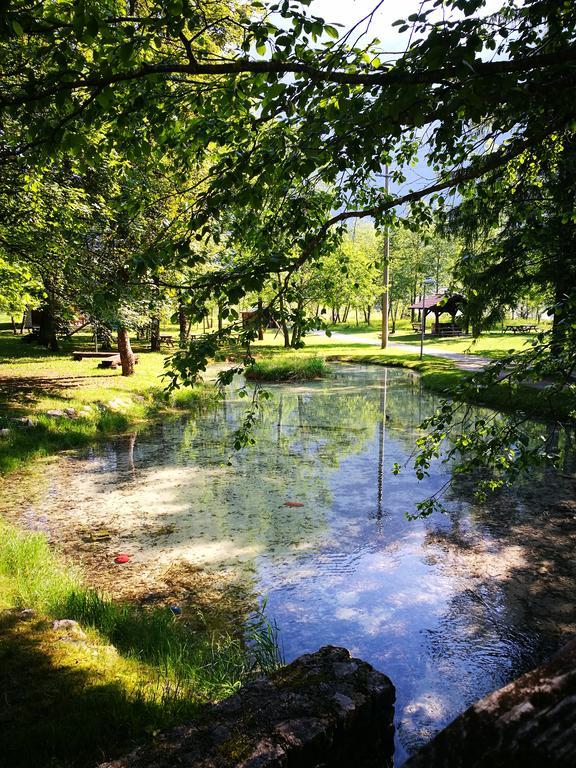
(349, 12)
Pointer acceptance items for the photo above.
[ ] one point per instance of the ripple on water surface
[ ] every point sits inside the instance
(450, 608)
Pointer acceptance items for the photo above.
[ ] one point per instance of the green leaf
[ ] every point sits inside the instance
(92, 26)
(126, 51)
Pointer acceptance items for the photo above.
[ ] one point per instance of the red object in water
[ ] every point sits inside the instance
(122, 559)
(293, 504)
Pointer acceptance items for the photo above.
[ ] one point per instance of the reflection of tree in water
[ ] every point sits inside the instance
(304, 433)
(515, 561)
(464, 606)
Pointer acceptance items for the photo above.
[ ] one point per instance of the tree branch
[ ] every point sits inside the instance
(392, 76)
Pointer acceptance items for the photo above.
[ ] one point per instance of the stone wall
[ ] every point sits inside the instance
(530, 723)
(324, 709)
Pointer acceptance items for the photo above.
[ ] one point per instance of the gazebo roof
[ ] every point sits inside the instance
(441, 301)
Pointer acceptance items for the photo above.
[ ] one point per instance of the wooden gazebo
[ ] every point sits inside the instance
(439, 304)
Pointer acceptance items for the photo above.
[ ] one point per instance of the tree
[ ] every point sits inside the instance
(45, 218)
(521, 237)
(276, 111)
(152, 77)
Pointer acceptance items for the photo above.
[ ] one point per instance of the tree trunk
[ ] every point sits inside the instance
(297, 328)
(181, 324)
(558, 323)
(220, 319)
(394, 316)
(346, 312)
(283, 322)
(14, 329)
(47, 331)
(125, 350)
(260, 320)
(155, 334)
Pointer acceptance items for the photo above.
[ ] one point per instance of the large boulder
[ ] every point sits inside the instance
(324, 709)
(530, 723)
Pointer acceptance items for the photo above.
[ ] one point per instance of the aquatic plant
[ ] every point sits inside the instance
(288, 368)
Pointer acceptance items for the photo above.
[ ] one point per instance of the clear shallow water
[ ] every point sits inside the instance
(450, 608)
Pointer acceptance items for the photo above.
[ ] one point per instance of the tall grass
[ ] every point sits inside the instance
(199, 664)
(288, 368)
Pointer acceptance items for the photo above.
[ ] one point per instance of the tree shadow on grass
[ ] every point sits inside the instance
(18, 393)
(59, 708)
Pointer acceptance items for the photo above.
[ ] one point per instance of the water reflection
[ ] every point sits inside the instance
(449, 608)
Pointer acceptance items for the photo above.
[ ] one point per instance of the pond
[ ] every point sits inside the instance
(450, 608)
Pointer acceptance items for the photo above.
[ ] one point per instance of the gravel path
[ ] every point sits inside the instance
(463, 361)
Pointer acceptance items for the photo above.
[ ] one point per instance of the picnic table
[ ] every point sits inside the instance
(521, 328)
(167, 339)
(78, 354)
(113, 361)
(107, 359)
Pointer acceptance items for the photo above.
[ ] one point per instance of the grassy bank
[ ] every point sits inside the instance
(49, 402)
(72, 695)
(288, 367)
(440, 375)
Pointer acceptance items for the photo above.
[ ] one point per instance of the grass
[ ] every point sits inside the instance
(73, 696)
(440, 375)
(34, 381)
(491, 344)
(291, 367)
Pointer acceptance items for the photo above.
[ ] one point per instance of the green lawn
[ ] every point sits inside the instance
(491, 344)
(34, 381)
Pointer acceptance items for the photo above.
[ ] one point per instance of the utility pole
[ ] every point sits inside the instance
(385, 278)
(426, 281)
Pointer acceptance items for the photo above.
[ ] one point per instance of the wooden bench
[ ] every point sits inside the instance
(113, 361)
(107, 359)
(443, 332)
(520, 328)
(168, 340)
(78, 354)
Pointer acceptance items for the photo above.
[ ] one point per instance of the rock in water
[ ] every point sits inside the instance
(530, 723)
(324, 709)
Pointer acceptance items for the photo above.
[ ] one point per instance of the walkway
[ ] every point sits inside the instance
(463, 361)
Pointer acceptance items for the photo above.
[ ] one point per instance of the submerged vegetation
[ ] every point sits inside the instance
(121, 673)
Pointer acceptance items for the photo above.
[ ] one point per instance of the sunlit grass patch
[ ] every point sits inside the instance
(72, 696)
(288, 368)
(92, 402)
